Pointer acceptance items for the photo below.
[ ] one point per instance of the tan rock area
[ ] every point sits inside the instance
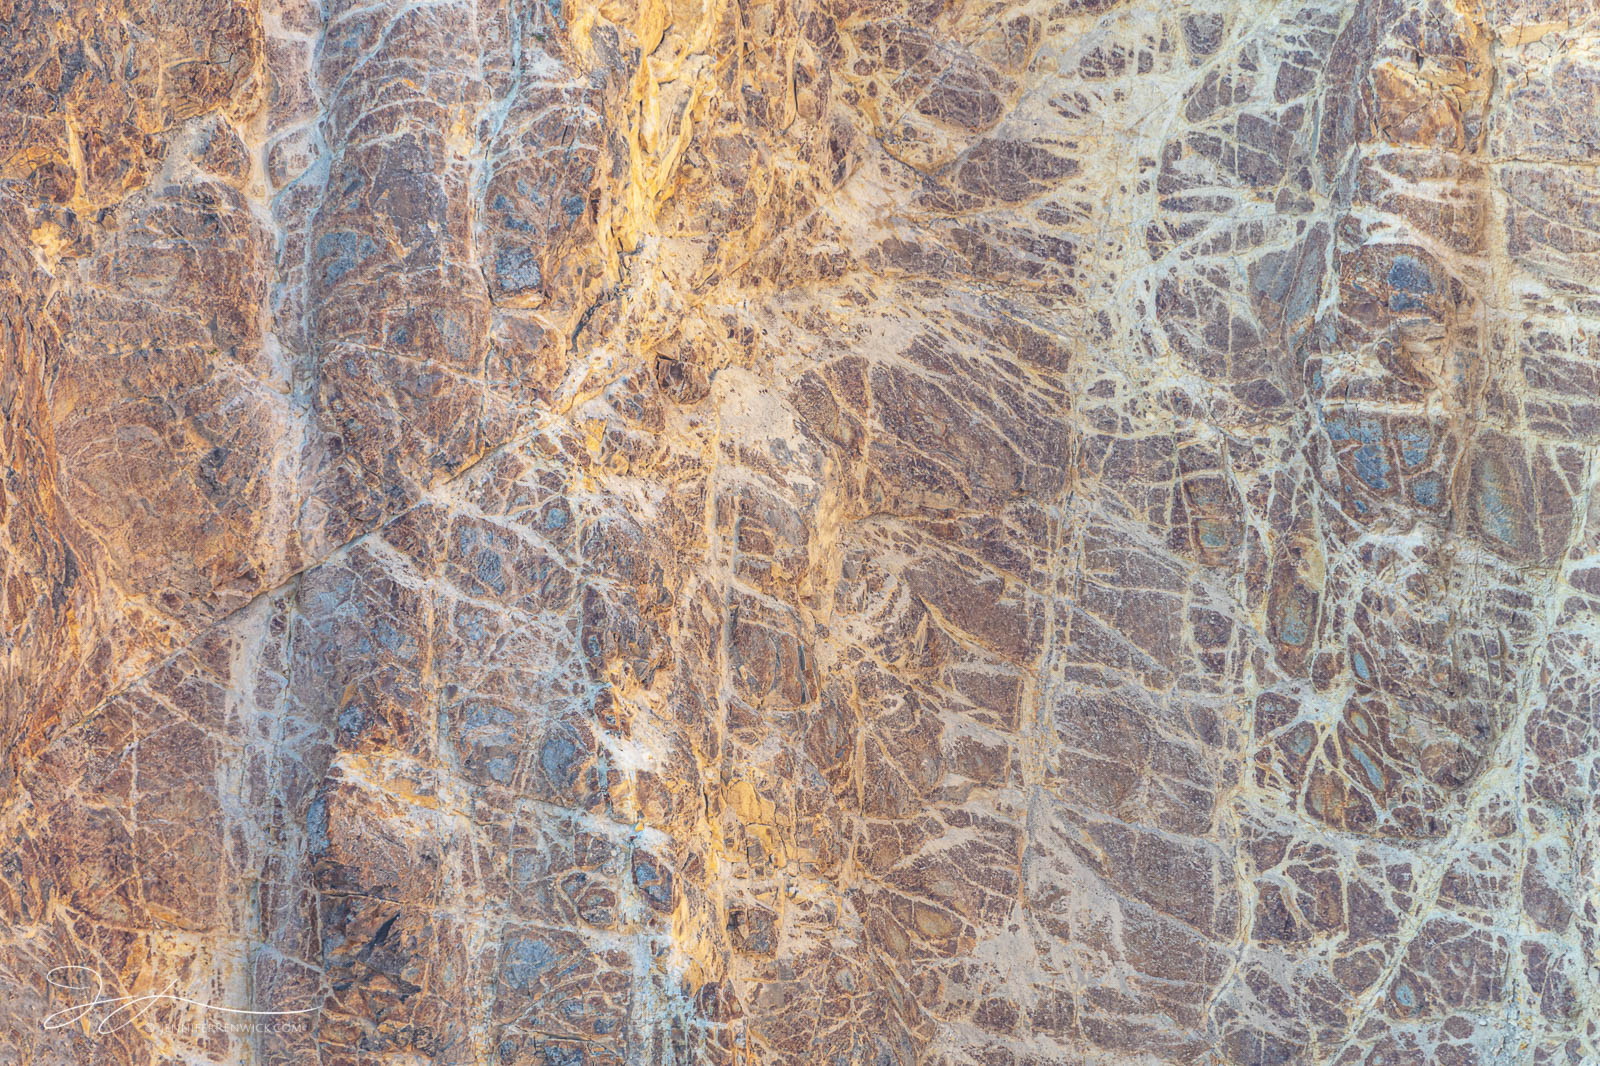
(799, 532)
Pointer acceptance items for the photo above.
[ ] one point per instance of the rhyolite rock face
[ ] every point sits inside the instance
(830, 532)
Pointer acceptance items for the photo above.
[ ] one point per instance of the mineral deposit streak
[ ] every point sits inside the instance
(799, 533)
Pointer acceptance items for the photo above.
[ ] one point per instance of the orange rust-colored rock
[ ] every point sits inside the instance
(1027, 534)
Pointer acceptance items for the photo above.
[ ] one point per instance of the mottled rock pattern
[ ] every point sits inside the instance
(851, 532)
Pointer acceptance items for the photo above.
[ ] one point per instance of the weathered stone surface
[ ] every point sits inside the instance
(857, 533)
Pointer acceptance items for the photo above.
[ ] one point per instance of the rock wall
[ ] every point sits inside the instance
(800, 532)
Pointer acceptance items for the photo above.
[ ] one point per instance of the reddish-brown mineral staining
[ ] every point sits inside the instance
(799, 533)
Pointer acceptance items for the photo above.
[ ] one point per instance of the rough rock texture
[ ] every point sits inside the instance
(811, 532)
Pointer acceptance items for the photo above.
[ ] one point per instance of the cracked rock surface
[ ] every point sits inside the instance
(839, 532)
